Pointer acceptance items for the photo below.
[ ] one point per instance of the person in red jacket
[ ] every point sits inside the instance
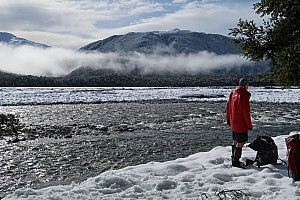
(238, 118)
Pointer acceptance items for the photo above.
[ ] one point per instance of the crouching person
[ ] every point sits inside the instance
(239, 120)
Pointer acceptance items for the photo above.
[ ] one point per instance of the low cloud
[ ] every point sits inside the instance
(59, 62)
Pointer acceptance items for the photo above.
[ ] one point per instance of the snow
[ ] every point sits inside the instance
(10, 39)
(16, 96)
(199, 175)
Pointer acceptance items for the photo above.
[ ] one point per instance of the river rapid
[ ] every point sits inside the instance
(72, 142)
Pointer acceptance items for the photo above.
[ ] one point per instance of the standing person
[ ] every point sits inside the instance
(238, 118)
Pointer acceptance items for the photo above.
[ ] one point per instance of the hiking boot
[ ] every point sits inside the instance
(232, 150)
(237, 163)
(236, 158)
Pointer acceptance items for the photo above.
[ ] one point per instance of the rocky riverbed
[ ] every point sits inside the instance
(71, 142)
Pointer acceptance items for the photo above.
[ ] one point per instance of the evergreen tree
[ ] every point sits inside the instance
(277, 39)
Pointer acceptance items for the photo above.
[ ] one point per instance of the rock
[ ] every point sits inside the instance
(102, 128)
(201, 96)
(17, 139)
(68, 136)
(124, 127)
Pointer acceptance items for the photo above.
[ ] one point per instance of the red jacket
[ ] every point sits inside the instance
(238, 110)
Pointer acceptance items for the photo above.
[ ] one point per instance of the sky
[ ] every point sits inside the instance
(74, 23)
(67, 25)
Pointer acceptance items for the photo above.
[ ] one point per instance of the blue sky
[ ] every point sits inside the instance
(75, 23)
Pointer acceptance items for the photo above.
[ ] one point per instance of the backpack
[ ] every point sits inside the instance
(267, 151)
(293, 156)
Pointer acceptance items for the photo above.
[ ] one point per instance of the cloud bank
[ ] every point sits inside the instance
(73, 23)
(59, 62)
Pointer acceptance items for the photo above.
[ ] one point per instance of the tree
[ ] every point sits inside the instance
(277, 39)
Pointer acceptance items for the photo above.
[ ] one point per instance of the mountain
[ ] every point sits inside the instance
(165, 42)
(18, 80)
(90, 77)
(173, 42)
(10, 39)
(87, 77)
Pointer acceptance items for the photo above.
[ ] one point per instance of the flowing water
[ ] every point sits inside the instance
(71, 142)
(75, 133)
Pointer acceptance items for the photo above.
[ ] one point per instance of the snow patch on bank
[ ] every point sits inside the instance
(184, 178)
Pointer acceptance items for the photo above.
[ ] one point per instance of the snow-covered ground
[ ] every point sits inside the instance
(203, 175)
(15, 96)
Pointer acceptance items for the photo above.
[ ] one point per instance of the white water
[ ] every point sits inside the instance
(185, 178)
(15, 96)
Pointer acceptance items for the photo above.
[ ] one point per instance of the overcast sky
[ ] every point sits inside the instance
(75, 23)
(67, 25)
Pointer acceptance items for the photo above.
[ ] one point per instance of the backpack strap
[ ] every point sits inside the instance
(282, 161)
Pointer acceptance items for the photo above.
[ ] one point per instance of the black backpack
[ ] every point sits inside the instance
(293, 156)
(267, 151)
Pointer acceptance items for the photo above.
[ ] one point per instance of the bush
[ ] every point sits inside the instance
(10, 124)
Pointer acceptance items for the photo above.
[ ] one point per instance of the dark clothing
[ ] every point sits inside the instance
(240, 137)
(238, 110)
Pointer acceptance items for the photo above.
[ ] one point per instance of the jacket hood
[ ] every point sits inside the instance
(242, 90)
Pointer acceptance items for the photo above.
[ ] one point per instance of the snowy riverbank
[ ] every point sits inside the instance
(198, 176)
(145, 125)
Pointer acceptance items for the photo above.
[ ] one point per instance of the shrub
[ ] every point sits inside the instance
(10, 124)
